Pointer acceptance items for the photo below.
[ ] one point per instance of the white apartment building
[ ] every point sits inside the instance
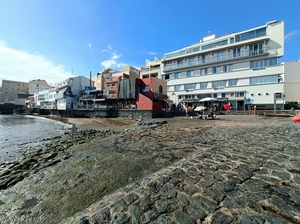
(238, 67)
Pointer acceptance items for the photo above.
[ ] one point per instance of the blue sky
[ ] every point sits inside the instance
(53, 39)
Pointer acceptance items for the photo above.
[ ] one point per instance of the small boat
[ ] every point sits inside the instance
(296, 118)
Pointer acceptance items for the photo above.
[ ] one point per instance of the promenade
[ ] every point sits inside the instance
(248, 173)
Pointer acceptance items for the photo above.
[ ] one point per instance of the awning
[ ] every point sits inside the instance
(189, 101)
(98, 99)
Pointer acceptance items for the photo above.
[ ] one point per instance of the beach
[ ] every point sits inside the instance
(235, 169)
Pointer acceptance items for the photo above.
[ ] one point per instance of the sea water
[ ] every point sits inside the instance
(16, 131)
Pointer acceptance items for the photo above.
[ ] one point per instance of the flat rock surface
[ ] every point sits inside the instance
(235, 169)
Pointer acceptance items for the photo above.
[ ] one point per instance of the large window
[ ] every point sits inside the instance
(233, 82)
(263, 63)
(220, 43)
(203, 85)
(190, 87)
(264, 80)
(219, 84)
(251, 34)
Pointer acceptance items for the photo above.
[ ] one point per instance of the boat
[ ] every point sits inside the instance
(296, 118)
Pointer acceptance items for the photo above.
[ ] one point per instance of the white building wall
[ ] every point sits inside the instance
(292, 81)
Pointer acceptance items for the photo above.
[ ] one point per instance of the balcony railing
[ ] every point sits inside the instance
(115, 79)
(217, 58)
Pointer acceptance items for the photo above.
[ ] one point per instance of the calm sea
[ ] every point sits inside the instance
(18, 131)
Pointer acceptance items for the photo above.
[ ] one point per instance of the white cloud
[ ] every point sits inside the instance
(112, 62)
(90, 45)
(109, 47)
(152, 53)
(290, 35)
(19, 65)
(114, 56)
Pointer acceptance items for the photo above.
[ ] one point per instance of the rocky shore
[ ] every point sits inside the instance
(237, 169)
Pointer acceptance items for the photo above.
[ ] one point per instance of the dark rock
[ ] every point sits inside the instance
(203, 203)
(165, 206)
(250, 219)
(220, 217)
(149, 216)
(182, 217)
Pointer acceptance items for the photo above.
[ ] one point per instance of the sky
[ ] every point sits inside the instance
(57, 39)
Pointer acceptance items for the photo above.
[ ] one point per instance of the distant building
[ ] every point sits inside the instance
(152, 69)
(37, 85)
(10, 90)
(126, 73)
(68, 92)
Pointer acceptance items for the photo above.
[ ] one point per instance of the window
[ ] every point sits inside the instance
(233, 82)
(160, 89)
(168, 88)
(190, 87)
(231, 40)
(190, 73)
(263, 63)
(223, 95)
(219, 84)
(177, 87)
(236, 52)
(179, 63)
(220, 55)
(256, 49)
(167, 77)
(146, 89)
(204, 71)
(264, 80)
(239, 94)
(215, 95)
(203, 58)
(251, 34)
(278, 95)
(203, 85)
(227, 68)
(220, 43)
(217, 69)
(177, 75)
(191, 61)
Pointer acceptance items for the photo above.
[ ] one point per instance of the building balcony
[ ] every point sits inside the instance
(217, 59)
(112, 80)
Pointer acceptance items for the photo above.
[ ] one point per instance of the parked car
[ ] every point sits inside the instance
(291, 105)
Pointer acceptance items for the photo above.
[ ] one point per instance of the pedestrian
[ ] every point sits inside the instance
(130, 117)
(211, 112)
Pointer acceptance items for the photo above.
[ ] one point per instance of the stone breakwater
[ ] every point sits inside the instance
(246, 175)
